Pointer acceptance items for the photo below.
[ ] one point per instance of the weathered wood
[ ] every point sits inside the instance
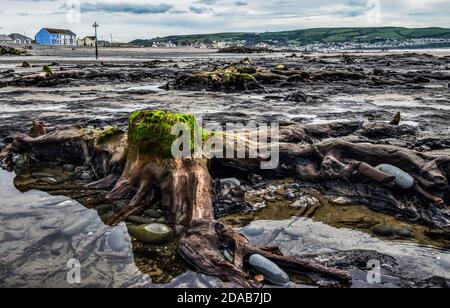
(317, 153)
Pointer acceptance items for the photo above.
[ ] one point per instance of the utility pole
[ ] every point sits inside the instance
(96, 40)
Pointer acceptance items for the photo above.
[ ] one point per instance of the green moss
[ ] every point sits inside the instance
(47, 70)
(108, 134)
(5, 50)
(150, 131)
(233, 77)
(247, 70)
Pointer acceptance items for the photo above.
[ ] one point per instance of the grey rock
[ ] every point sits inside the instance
(293, 232)
(85, 176)
(117, 207)
(269, 198)
(18, 160)
(139, 220)
(14, 226)
(387, 231)
(152, 233)
(107, 216)
(304, 202)
(233, 181)
(152, 213)
(253, 230)
(179, 229)
(406, 233)
(12, 235)
(290, 196)
(298, 97)
(402, 179)
(69, 167)
(51, 223)
(161, 220)
(272, 272)
(116, 240)
(228, 256)
(103, 209)
(79, 169)
(75, 227)
(294, 186)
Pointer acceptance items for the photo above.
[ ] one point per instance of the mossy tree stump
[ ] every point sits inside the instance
(141, 166)
(184, 184)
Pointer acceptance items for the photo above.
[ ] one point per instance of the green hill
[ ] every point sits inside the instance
(309, 36)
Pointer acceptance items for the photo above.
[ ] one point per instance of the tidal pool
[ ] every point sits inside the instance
(41, 233)
(42, 237)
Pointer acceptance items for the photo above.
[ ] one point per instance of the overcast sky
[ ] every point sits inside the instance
(130, 19)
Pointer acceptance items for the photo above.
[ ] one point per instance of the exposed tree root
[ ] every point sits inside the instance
(204, 243)
(139, 168)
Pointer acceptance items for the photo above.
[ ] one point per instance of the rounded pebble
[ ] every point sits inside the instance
(152, 213)
(85, 176)
(233, 181)
(272, 272)
(69, 167)
(116, 240)
(154, 233)
(253, 231)
(179, 229)
(139, 220)
(402, 179)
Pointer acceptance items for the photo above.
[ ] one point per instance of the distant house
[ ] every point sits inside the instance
(88, 41)
(104, 44)
(20, 39)
(62, 37)
(5, 39)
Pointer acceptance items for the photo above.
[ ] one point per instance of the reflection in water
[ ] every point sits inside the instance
(40, 234)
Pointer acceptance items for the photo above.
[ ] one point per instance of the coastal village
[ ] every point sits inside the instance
(52, 36)
(66, 37)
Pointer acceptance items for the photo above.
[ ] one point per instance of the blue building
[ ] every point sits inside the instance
(62, 37)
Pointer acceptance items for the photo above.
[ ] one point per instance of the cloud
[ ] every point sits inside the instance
(241, 3)
(199, 10)
(130, 19)
(123, 7)
(207, 2)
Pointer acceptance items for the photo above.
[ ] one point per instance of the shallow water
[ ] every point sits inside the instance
(40, 234)
(303, 236)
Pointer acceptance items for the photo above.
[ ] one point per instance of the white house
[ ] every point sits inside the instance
(5, 39)
(20, 39)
